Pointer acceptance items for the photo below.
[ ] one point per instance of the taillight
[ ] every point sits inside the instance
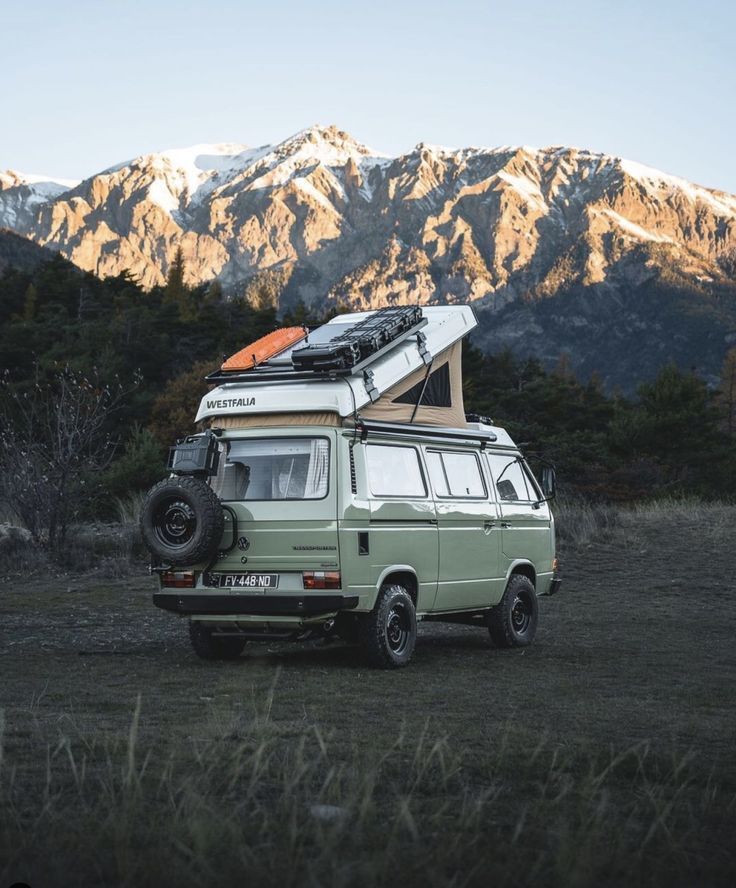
(321, 579)
(178, 579)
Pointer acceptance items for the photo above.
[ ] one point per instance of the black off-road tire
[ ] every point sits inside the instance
(389, 632)
(209, 647)
(182, 521)
(513, 621)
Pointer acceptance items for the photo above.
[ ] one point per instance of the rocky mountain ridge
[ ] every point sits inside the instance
(323, 219)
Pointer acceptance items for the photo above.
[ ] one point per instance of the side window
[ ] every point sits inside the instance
(455, 474)
(437, 473)
(394, 471)
(509, 478)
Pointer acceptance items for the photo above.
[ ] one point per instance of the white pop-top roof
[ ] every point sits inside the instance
(502, 437)
(445, 326)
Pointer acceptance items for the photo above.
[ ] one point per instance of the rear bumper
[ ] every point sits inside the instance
(554, 586)
(256, 605)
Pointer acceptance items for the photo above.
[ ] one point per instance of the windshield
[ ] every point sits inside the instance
(273, 469)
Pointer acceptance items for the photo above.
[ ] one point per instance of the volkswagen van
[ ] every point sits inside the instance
(286, 524)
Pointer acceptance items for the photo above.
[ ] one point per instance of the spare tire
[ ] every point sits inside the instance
(182, 521)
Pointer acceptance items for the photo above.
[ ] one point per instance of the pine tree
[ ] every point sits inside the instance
(176, 290)
(213, 295)
(676, 425)
(30, 301)
(563, 368)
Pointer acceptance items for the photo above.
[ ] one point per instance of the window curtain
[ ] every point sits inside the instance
(316, 485)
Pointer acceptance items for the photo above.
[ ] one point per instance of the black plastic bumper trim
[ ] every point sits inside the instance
(254, 605)
(554, 586)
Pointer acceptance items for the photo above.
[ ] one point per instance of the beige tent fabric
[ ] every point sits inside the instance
(454, 416)
(269, 420)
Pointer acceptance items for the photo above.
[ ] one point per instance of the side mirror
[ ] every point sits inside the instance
(548, 481)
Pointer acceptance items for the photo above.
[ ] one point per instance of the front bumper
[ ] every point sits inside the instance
(255, 605)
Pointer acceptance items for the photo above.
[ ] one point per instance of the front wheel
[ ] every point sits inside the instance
(513, 621)
(211, 647)
(389, 632)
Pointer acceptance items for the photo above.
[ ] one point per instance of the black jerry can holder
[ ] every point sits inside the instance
(195, 455)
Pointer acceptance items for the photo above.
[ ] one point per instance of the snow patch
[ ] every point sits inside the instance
(722, 204)
(309, 188)
(636, 230)
(43, 186)
(43, 181)
(195, 164)
(526, 188)
(366, 167)
(323, 146)
(158, 193)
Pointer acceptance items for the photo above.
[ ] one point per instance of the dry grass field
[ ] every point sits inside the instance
(605, 754)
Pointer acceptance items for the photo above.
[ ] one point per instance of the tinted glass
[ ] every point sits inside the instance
(394, 471)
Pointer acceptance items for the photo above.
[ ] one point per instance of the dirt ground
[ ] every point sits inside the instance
(638, 647)
(639, 644)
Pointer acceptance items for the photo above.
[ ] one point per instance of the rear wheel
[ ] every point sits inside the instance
(388, 634)
(513, 621)
(211, 647)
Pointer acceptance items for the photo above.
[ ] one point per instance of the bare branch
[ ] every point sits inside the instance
(54, 439)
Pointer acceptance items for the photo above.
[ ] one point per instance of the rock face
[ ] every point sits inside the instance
(516, 230)
(22, 196)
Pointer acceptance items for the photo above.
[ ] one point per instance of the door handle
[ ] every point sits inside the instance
(505, 524)
(488, 526)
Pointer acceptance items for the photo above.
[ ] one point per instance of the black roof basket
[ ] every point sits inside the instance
(368, 337)
(346, 353)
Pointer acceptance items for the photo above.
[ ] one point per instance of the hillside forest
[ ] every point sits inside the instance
(101, 376)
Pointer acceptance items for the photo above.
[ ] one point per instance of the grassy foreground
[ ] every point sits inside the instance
(603, 755)
(266, 805)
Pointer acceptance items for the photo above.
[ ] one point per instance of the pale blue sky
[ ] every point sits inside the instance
(86, 83)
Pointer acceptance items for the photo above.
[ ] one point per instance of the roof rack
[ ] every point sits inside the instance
(346, 353)
(366, 340)
(401, 429)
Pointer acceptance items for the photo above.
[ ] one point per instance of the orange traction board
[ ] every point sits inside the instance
(266, 347)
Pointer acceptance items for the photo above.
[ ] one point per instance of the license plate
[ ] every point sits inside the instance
(244, 581)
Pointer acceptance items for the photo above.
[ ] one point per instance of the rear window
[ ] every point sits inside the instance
(273, 469)
(394, 471)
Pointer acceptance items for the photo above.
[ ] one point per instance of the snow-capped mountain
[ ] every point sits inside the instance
(227, 206)
(21, 196)
(331, 220)
(476, 223)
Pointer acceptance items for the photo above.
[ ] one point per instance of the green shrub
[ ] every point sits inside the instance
(139, 467)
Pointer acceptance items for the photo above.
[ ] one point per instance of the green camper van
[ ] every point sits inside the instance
(337, 488)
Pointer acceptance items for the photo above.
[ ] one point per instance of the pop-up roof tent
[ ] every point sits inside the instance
(399, 364)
